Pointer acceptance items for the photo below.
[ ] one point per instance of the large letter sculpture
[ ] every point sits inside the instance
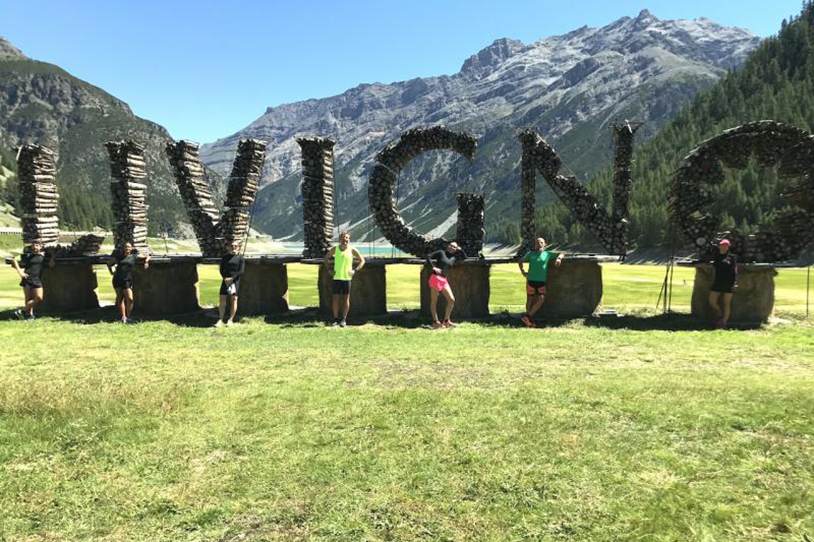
(391, 161)
(127, 169)
(539, 156)
(217, 232)
(39, 201)
(772, 144)
(317, 194)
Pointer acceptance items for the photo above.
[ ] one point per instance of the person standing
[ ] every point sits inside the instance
(725, 265)
(124, 263)
(342, 274)
(536, 277)
(31, 261)
(232, 267)
(441, 261)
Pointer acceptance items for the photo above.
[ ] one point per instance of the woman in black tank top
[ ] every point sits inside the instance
(32, 262)
(124, 262)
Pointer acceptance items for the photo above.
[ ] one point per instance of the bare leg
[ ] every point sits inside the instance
(222, 307)
(120, 306)
(529, 303)
(336, 306)
(128, 301)
(538, 302)
(727, 308)
(28, 307)
(450, 302)
(434, 304)
(345, 305)
(233, 307)
(713, 302)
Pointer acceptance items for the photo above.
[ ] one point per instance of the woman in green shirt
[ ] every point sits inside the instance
(536, 277)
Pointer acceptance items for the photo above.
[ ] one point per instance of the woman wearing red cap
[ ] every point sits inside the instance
(726, 275)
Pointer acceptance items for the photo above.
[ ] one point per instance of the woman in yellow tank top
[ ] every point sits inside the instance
(342, 276)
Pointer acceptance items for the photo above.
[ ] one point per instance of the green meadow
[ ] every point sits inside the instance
(649, 427)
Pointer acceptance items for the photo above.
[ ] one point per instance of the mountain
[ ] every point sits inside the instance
(571, 88)
(42, 103)
(775, 82)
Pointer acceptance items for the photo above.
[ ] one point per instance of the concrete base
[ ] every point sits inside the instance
(68, 287)
(165, 288)
(752, 302)
(574, 289)
(368, 293)
(263, 289)
(470, 286)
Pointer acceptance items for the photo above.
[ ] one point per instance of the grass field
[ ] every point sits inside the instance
(647, 428)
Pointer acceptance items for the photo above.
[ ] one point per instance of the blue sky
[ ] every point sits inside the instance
(207, 69)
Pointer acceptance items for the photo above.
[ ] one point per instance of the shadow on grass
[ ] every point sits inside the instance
(659, 322)
(406, 319)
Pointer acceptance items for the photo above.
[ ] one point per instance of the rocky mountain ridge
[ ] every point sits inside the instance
(571, 88)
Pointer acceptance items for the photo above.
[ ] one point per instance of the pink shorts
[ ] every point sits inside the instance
(438, 282)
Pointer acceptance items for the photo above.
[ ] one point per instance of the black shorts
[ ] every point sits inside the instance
(535, 288)
(122, 284)
(224, 288)
(341, 287)
(722, 288)
(31, 283)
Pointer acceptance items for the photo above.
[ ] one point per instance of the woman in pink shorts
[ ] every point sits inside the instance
(441, 261)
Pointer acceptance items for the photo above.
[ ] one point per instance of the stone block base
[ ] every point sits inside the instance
(574, 289)
(752, 302)
(68, 287)
(165, 288)
(470, 286)
(368, 293)
(263, 289)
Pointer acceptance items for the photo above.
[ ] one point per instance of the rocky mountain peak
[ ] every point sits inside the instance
(497, 52)
(10, 52)
(644, 19)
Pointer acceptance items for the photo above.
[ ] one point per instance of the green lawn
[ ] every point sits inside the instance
(648, 428)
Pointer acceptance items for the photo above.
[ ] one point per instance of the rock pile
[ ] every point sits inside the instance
(216, 233)
(539, 156)
(772, 144)
(39, 197)
(127, 170)
(470, 229)
(317, 194)
(39, 200)
(390, 162)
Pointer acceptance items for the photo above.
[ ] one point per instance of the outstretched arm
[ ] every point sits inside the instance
(16, 267)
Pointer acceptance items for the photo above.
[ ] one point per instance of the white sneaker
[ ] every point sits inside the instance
(229, 323)
(219, 323)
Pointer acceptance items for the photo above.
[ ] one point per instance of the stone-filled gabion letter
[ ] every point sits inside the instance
(216, 233)
(539, 156)
(127, 169)
(39, 200)
(772, 144)
(470, 230)
(317, 194)
(390, 162)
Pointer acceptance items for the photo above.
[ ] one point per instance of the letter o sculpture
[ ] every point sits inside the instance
(390, 161)
(772, 144)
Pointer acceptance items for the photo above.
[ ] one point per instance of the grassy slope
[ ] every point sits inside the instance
(289, 431)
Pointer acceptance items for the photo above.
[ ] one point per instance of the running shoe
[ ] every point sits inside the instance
(219, 323)
(528, 321)
(450, 323)
(720, 324)
(19, 314)
(335, 323)
(343, 323)
(229, 323)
